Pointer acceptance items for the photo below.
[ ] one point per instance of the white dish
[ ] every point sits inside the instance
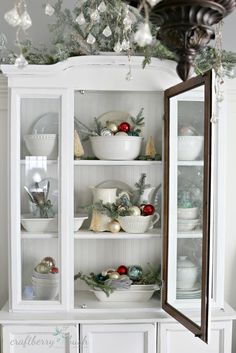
(119, 148)
(42, 145)
(133, 294)
(78, 221)
(119, 185)
(187, 213)
(39, 225)
(116, 117)
(189, 147)
(187, 225)
(45, 291)
(49, 124)
(138, 224)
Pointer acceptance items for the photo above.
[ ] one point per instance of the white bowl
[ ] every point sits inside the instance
(45, 276)
(136, 293)
(187, 213)
(137, 224)
(78, 221)
(45, 291)
(186, 225)
(189, 147)
(120, 148)
(39, 225)
(42, 145)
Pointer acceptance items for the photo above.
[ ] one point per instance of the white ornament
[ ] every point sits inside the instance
(118, 47)
(143, 36)
(91, 39)
(127, 23)
(95, 16)
(102, 7)
(134, 211)
(153, 2)
(80, 19)
(12, 17)
(21, 62)
(125, 44)
(26, 21)
(107, 32)
(49, 10)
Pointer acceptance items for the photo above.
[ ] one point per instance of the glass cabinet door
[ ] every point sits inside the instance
(187, 192)
(37, 193)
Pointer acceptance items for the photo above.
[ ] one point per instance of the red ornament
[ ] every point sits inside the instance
(122, 270)
(148, 210)
(124, 127)
(54, 269)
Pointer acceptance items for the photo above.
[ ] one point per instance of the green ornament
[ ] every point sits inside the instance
(135, 272)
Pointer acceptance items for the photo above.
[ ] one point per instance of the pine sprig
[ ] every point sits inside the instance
(140, 188)
(93, 283)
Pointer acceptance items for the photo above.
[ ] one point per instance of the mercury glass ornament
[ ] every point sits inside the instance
(114, 226)
(49, 261)
(118, 48)
(106, 132)
(114, 275)
(134, 211)
(95, 16)
(21, 62)
(107, 32)
(91, 39)
(42, 268)
(135, 272)
(112, 126)
(12, 17)
(143, 36)
(80, 19)
(102, 7)
(49, 10)
(26, 21)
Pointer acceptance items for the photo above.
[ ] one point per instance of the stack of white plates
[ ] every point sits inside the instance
(192, 293)
(45, 286)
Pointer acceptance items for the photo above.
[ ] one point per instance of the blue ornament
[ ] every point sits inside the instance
(135, 272)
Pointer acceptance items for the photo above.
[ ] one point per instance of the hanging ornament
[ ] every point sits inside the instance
(148, 210)
(26, 21)
(143, 36)
(124, 127)
(125, 44)
(12, 17)
(122, 270)
(135, 272)
(107, 32)
(127, 22)
(95, 16)
(21, 62)
(49, 10)
(153, 2)
(80, 19)
(102, 7)
(114, 226)
(118, 48)
(91, 39)
(134, 211)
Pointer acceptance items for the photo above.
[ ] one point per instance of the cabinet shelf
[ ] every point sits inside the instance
(195, 234)
(96, 162)
(190, 163)
(48, 161)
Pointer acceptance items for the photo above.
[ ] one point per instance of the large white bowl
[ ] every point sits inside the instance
(189, 147)
(185, 225)
(39, 225)
(42, 144)
(136, 293)
(137, 224)
(187, 213)
(45, 290)
(118, 148)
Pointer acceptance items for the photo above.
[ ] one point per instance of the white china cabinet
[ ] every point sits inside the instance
(48, 188)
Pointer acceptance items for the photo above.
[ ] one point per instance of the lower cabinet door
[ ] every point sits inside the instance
(40, 339)
(174, 338)
(114, 338)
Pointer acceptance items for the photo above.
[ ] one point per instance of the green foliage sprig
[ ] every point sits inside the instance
(93, 283)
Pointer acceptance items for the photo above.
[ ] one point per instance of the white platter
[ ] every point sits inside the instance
(136, 293)
(49, 124)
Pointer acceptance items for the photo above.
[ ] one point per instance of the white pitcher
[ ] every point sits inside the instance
(148, 194)
(104, 195)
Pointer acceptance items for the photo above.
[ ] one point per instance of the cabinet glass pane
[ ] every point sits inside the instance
(39, 198)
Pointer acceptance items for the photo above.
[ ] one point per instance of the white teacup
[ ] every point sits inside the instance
(138, 224)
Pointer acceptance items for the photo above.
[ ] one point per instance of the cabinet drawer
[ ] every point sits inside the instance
(40, 339)
(174, 338)
(125, 338)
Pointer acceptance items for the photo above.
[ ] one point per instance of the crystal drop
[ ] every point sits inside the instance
(107, 31)
(102, 7)
(125, 44)
(12, 17)
(127, 22)
(21, 62)
(118, 47)
(129, 76)
(143, 36)
(80, 19)
(91, 39)
(153, 2)
(95, 16)
(49, 10)
(26, 21)
(3, 41)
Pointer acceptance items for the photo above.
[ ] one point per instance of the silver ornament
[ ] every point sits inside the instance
(135, 272)
(80, 19)
(114, 226)
(26, 21)
(49, 10)
(21, 62)
(49, 261)
(42, 268)
(91, 39)
(106, 132)
(112, 126)
(107, 32)
(12, 17)
(134, 211)
(114, 275)
(118, 47)
(102, 7)
(95, 16)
